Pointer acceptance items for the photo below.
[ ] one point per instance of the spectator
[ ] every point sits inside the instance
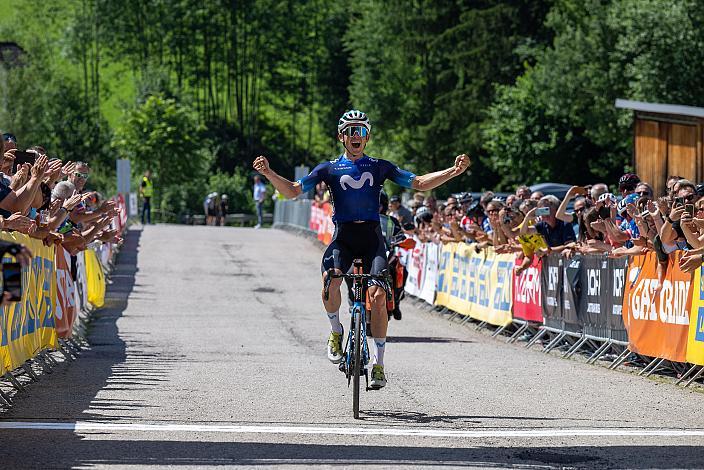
(597, 190)
(486, 198)
(670, 184)
(146, 190)
(537, 195)
(259, 197)
(397, 210)
(558, 234)
(523, 192)
(644, 190)
(208, 204)
(627, 184)
(671, 231)
(224, 208)
(322, 195)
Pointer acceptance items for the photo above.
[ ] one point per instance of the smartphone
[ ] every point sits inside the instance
(44, 218)
(542, 211)
(23, 157)
(12, 280)
(689, 208)
(679, 201)
(581, 191)
(604, 213)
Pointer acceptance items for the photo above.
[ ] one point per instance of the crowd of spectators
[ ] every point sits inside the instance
(589, 219)
(46, 199)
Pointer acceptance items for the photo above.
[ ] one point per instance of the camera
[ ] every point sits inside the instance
(12, 280)
(23, 157)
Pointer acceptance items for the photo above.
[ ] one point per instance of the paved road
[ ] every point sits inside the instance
(211, 353)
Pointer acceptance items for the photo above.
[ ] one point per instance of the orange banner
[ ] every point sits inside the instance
(324, 220)
(657, 316)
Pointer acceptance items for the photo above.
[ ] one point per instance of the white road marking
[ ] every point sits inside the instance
(86, 426)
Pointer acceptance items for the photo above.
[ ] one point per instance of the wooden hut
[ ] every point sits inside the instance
(667, 140)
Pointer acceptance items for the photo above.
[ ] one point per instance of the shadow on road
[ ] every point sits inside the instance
(412, 417)
(424, 339)
(70, 392)
(176, 453)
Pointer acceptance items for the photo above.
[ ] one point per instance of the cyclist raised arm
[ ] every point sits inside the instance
(355, 181)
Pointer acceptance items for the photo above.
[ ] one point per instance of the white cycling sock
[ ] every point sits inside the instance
(378, 351)
(335, 324)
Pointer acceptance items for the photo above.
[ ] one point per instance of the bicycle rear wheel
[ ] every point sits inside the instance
(356, 362)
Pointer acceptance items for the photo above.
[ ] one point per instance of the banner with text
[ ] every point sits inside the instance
(430, 277)
(695, 342)
(416, 269)
(28, 326)
(445, 267)
(527, 302)
(480, 284)
(657, 316)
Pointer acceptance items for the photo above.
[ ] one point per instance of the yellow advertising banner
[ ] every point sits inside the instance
(477, 283)
(28, 326)
(95, 277)
(442, 296)
(695, 341)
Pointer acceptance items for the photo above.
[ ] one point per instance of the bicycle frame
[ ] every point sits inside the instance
(357, 308)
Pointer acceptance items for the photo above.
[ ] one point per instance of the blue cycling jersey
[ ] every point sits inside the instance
(355, 186)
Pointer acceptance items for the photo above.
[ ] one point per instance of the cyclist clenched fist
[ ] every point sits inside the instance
(355, 181)
(261, 164)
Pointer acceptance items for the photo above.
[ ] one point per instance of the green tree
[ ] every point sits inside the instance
(646, 50)
(163, 135)
(425, 72)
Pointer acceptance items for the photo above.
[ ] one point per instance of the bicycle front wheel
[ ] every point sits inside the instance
(356, 362)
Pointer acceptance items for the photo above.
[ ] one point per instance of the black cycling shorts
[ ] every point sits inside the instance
(356, 240)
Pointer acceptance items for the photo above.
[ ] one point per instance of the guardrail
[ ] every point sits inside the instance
(585, 304)
(239, 219)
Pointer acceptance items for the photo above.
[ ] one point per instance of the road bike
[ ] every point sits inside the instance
(355, 359)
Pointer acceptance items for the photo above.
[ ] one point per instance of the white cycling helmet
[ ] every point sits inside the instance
(351, 118)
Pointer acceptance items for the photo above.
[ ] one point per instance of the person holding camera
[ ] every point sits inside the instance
(671, 232)
(558, 234)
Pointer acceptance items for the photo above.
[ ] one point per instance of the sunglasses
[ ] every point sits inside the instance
(359, 130)
(643, 193)
(81, 175)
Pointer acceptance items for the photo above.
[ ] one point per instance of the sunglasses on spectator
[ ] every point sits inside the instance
(643, 193)
(81, 175)
(352, 130)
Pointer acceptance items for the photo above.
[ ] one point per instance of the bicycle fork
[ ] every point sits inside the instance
(346, 365)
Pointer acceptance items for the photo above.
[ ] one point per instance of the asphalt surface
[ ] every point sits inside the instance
(211, 352)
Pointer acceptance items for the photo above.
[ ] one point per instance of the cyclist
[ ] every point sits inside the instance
(355, 181)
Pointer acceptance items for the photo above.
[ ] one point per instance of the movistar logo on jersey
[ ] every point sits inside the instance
(347, 180)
